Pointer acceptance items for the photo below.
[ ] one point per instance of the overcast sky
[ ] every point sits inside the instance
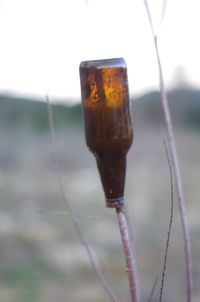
(42, 42)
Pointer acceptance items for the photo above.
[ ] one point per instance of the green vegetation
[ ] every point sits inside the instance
(184, 105)
(20, 113)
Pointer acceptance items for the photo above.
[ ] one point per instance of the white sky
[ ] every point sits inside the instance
(43, 41)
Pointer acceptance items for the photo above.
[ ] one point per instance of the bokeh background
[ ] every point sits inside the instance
(41, 257)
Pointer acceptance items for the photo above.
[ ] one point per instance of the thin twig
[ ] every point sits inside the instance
(164, 5)
(150, 233)
(71, 211)
(153, 289)
(130, 260)
(130, 225)
(81, 216)
(132, 240)
(170, 223)
(175, 163)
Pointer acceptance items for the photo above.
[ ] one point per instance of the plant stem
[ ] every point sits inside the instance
(70, 209)
(178, 179)
(129, 257)
(170, 223)
(175, 163)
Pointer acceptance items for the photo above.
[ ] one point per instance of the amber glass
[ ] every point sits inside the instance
(108, 125)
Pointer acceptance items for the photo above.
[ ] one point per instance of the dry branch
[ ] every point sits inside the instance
(75, 221)
(175, 163)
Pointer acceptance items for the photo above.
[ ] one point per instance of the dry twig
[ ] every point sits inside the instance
(175, 163)
(153, 289)
(129, 257)
(75, 221)
(170, 223)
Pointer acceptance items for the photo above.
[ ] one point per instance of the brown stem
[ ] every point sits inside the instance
(129, 257)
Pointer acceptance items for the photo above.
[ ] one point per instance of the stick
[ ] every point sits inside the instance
(170, 223)
(153, 289)
(130, 261)
(175, 163)
(75, 221)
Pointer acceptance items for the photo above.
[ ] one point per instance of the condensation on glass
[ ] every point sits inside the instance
(108, 124)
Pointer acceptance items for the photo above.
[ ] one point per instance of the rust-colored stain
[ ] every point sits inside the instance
(108, 124)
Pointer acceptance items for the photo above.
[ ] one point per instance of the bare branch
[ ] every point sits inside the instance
(153, 289)
(163, 13)
(81, 216)
(175, 163)
(170, 222)
(129, 257)
(71, 211)
(149, 17)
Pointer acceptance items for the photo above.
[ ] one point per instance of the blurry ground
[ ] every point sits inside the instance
(41, 258)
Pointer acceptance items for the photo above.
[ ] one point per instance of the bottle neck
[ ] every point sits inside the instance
(112, 172)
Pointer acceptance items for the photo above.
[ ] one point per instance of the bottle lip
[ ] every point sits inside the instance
(115, 202)
(104, 63)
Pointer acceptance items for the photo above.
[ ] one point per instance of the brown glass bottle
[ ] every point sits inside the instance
(108, 125)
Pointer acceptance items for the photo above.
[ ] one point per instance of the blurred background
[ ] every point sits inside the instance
(42, 44)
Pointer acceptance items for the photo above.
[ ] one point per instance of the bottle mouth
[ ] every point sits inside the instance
(114, 202)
